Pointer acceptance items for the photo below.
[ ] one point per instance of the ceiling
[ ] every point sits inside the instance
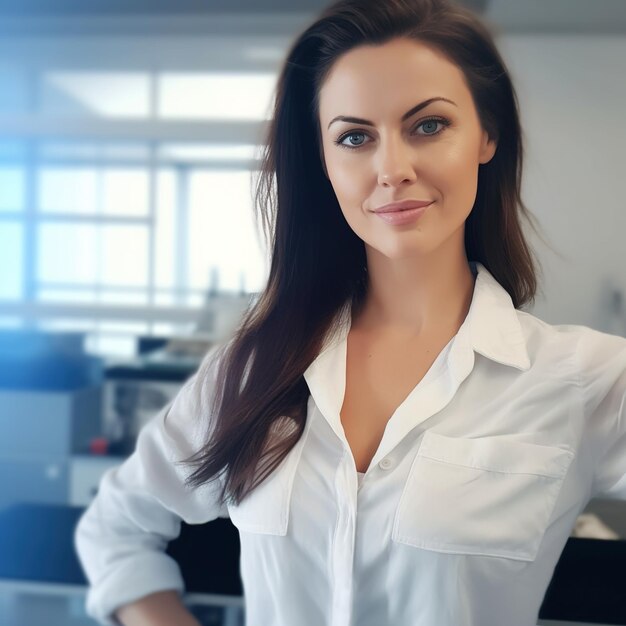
(280, 17)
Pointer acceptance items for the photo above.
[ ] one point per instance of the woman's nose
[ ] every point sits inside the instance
(395, 163)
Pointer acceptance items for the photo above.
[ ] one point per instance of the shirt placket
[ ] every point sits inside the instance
(343, 544)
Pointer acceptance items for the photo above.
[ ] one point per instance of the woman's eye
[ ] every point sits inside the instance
(353, 134)
(429, 126)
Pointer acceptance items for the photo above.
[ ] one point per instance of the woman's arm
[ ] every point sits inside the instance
(121, 539)
(163, 608)
(602, 365)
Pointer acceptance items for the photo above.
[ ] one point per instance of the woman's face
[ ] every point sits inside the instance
(431, 155)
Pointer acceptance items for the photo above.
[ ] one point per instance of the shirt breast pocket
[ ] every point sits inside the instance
(266, 509)
(490, 496)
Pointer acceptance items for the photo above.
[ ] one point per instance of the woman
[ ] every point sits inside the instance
(395, 440)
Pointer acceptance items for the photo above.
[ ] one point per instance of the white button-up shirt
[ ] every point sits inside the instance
(459, 519)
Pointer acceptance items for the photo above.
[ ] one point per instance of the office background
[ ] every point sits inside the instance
(129, 139)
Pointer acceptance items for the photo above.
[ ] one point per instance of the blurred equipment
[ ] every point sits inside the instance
(50, 408)
(136, 389)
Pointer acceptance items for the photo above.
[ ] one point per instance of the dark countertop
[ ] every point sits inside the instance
(37, 545)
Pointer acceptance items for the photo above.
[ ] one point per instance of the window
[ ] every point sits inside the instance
(125, 235)
(217, 96)
(11, 189)
(11, 260)
(87, 93)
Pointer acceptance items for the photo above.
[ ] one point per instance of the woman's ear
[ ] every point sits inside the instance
(488, 148)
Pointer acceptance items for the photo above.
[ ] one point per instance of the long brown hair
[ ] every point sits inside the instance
(318, 264)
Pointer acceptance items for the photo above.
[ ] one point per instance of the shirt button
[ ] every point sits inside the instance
(385, 464)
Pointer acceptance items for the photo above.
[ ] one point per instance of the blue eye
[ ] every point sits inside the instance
(352, 134)
(429, 123)
(432, 123)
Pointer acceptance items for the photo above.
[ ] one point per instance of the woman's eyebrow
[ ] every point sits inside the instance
(415, 109)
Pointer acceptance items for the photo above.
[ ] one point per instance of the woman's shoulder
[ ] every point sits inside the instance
(573, 334)
(587, 350)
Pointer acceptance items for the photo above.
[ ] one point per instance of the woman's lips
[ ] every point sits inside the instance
(403, 205)
(405, 216)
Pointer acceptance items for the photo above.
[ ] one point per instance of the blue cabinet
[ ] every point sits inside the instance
(39, 433)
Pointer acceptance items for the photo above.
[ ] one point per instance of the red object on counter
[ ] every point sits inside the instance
(99, 445)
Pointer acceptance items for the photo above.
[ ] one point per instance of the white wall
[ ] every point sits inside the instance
(572, 93)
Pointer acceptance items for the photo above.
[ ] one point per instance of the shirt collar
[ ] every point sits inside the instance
(491, 327)
(493, 323)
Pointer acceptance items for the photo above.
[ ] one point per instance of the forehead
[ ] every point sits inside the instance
(384, 77)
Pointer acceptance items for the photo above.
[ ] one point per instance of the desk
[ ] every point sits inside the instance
(43, 604)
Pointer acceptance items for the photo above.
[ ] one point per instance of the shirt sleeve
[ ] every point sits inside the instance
(602, 363)
(121, 537)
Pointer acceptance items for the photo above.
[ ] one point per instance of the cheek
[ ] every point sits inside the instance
(456, 176)
(347, 179)
(455, 160)
(351, 196)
